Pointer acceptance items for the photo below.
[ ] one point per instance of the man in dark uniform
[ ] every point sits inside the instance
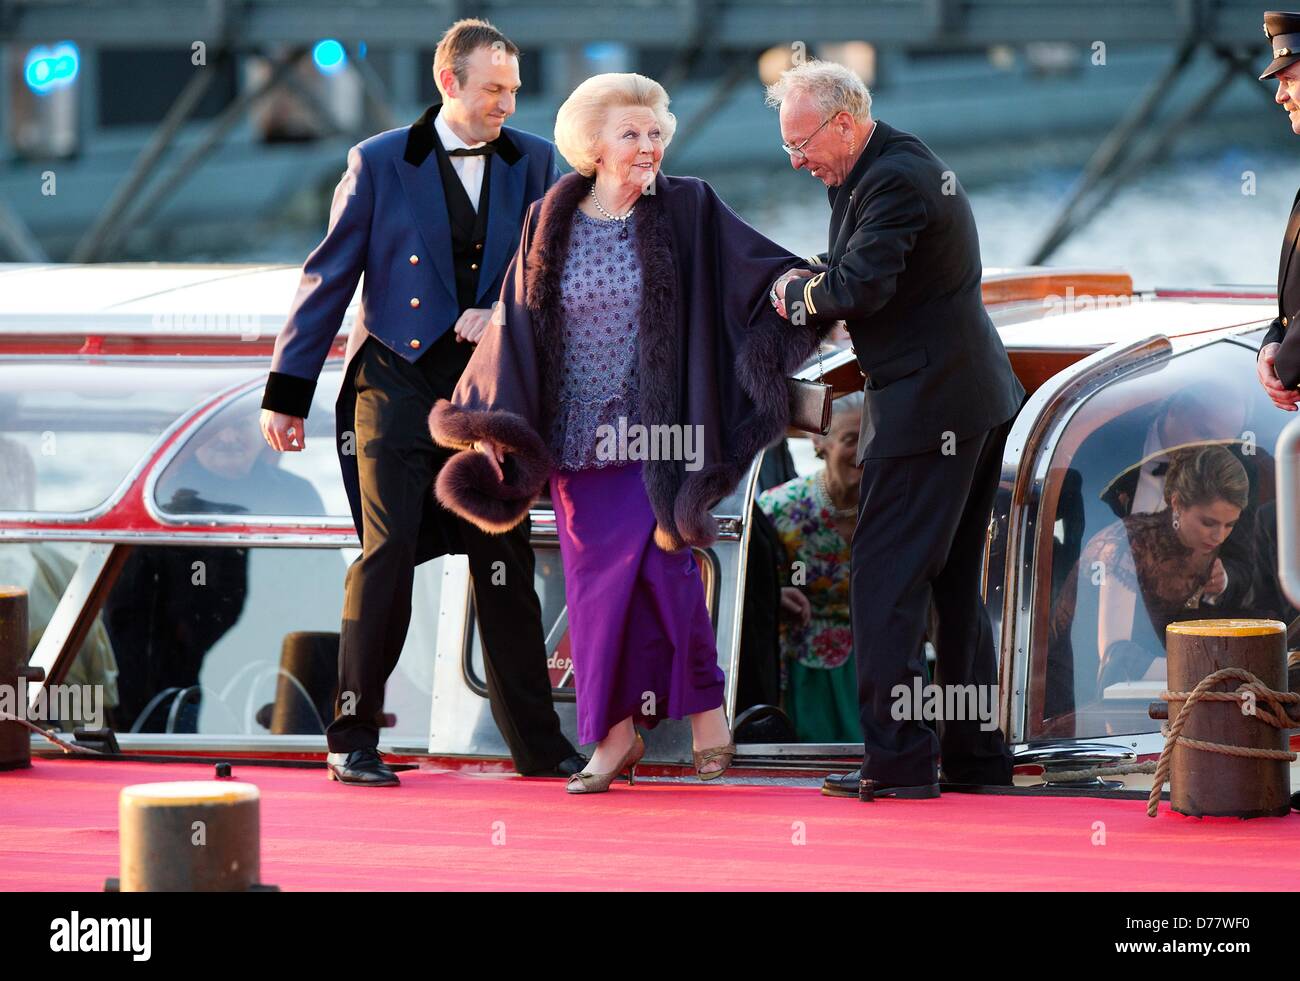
(432, 214)
(903, 272)
(1283, 31)
(1281, 349)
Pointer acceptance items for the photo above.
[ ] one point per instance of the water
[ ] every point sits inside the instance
(1186, 223)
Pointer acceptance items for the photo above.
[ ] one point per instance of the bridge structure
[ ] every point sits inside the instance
(734, 32)
(716, 24)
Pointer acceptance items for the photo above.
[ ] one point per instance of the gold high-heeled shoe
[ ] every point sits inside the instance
(723, 753)
(598, 783)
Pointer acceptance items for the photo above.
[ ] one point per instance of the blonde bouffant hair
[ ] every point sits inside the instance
(582, 116)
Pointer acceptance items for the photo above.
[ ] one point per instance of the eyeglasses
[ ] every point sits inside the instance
(797, 151)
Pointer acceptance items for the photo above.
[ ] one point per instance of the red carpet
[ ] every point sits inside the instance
(58, 831)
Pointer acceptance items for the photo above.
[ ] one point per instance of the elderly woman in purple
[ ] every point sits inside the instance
(637, 365)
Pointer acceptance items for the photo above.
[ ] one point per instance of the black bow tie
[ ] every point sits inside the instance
(478, 151)
(1159, 470)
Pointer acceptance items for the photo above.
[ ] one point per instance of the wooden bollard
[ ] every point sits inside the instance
(15, 739)
(1203, 783)
(189, 836)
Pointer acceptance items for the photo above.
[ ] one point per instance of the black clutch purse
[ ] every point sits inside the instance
(810, 402)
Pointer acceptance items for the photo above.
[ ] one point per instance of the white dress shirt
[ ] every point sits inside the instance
(1149, 495)
(469, 169)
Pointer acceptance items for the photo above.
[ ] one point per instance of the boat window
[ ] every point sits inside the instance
(44, 571)
(1158, 507)
(70, 433)
(226, 467)
(226, 641)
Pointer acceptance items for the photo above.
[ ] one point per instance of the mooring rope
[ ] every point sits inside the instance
(65, 746)
(1075, 776)
(1251, 688)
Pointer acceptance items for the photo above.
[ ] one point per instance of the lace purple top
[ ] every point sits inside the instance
(600, 299)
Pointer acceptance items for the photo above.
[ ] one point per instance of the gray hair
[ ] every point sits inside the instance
(842, 406)
(582, 115)
(832, 87)
(853, 402)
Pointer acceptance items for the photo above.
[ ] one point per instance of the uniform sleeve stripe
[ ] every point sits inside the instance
(807, 292)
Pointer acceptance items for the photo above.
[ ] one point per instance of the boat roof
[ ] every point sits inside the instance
(251, 299)
(1122, 323)
(1033, 307)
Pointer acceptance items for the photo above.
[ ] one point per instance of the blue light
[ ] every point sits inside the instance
(329, 56)
(602, 51)
(46, 69)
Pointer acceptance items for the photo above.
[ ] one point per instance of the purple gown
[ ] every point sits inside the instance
(639, 631)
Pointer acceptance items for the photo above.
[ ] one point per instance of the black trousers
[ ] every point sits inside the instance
(920, 538)
(397, 462)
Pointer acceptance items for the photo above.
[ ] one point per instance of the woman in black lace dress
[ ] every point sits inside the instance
(1141, 573)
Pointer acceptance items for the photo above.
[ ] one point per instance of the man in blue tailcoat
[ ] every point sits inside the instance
(431, 213)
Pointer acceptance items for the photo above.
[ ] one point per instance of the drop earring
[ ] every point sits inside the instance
(1176, 521)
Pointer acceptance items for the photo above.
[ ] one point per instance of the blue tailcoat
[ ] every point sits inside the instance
(389, 220)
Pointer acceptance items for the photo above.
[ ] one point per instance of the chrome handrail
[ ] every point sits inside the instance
(1287, 459)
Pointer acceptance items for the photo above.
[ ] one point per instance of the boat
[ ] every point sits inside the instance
(195, 578)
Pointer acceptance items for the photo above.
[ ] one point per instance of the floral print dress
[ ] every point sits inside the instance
(818, 670)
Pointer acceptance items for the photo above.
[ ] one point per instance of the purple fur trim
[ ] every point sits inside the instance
(543, 269)
(468, 484)
(774, 350)
(696, 500)
(658, 355)
(667, 541)
(462, 486)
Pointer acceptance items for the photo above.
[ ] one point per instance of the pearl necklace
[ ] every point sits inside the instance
(838, 512)
(601, 208)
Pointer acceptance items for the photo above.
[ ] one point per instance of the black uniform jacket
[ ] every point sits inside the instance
(903, 273)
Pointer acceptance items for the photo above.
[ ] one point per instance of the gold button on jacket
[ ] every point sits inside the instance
(415, 343)
(415, 301)
(415, 260)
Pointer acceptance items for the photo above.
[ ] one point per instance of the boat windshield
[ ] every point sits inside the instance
(1158, 507)
(71, 432)
(226, 467)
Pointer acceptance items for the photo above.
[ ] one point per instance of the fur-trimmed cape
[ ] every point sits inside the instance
(712, 353)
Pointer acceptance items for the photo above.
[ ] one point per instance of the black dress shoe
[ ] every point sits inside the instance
(853, 784)
(842, 784)
(364, 767)
(566, 768)
(870, 790)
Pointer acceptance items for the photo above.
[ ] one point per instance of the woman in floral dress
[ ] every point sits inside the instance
(814, 517)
